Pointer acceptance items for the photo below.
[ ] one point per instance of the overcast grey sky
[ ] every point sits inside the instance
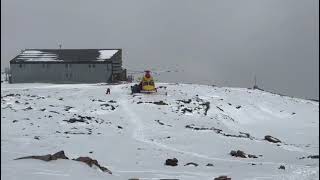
(223, 42)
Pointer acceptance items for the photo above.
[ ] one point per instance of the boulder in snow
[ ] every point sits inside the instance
(191, 163)
(222, 178)
(272, 139)
(171, 162)
(238, 153)
(89, 161)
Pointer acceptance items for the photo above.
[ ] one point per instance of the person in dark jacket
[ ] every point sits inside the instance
(108, 91)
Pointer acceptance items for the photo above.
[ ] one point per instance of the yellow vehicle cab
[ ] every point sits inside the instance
(147, 83)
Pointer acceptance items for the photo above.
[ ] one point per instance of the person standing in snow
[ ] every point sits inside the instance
(108, 91)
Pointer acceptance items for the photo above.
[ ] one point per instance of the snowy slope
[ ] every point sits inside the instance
(133, 137)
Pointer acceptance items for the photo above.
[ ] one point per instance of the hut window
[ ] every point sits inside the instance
(89, 65)
(93, 65)
(20, 65)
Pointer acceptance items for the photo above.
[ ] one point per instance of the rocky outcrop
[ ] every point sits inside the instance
(89, 161)
(242, 154)
(222, 178)
(171, 162)
(48, 157)
(60, 155)
(191, 163)
(272, 139)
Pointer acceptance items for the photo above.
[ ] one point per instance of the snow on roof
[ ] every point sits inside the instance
(34, 55)
(106, 54)
(65, 55)
(32, 52)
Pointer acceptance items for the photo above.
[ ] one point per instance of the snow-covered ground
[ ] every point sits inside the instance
(132, 136)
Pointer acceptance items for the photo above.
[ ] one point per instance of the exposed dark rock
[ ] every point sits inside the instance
(160, 103)
(293, 113)
(162, 87)
(314, 156)
(73, 120)
(252, 156)
(191, 163)
(311, 157)
(42, 109)
(246, 134)
(91, 162)
(186, 109)
(112, 101)
(8, 95)
(282, 167)
(61, 99)
(48, 157)
(185, 101)
(219, 131)
(120, 127)
(238, 107)
(54, 112)
(161, 123)
(222, 178)
(106, 105)
(238, 153)
(272, 139)
(14, 121)
(220, 108)
(36, 137)
(241, 154)
(209, 164)
(67, 108)
(85, 117)
(68, 132)
(171, 162)
(28, 108)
